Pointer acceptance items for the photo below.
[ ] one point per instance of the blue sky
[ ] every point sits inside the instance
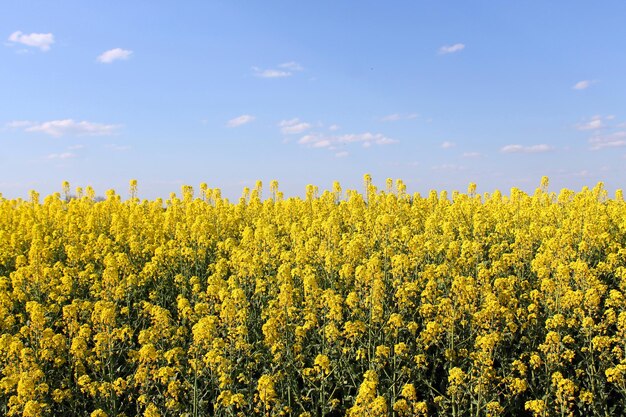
(438, 94)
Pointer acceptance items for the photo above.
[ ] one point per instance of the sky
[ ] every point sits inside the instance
(436, 93)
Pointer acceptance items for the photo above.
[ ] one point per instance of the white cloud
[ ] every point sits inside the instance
(341, 154)
(17, 124)
(365, 139)
(448, 167)
(65, 127)
(565, 173)
(36, 40)
(391, 118)
(472, 154)
(448, 145)
(333, 128)
(605, 133)
(75, 147)
(270, 73)
(291, 66)
(240, 120)
(118, 148)
(285, 69)
(316, 141)
(526, 149)
(612, 140)
(112, 55)
(596, 122)
(584, 84)
(64, 155)
(397, 116)
(293, 126)
(449, 49)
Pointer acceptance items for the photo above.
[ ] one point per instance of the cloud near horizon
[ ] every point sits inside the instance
(605, 133)
(366, 139)
(611, 140)
(58, 128)
(526, 149)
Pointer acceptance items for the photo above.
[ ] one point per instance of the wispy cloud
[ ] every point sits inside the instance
(270, 73)
(594, 123)
(398, 116)
(449, 49)
(291, 66)
(398, 164)
(448, 145)
(113, 55)
(65, 127)
(604, 132)
(334, 127)
(64, 155)
(43, 41)
(472, 154)
(293, 126)
(283, 70)
(526, 149)
(390, 118)
(117, 148)
(240, 120)
(18, 124)
(583, 85)
(565, 173)
(610, 140)
(366, 139)
(341, 154)
(448, 168)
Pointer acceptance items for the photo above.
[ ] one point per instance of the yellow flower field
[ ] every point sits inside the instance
(341, 303)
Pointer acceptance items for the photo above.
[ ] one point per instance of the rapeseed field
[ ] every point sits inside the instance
(378, 303)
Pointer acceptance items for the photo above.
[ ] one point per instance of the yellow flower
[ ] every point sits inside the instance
(408, 392)
(382, 352)
(151, 411)
(267, 394)
(323, 363)
(537, 407)
(33, 409)
(456, 376)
